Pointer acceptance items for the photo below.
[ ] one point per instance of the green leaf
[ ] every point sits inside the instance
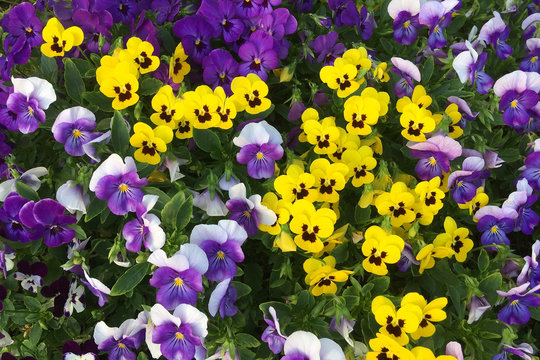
(177, 212)
(98, 99)
(206, 140)
(73, 80)
(483, 260)
(49, 68)
(380, 285)
(427, 71)
(95, 208)
(32, 304)
(241, 289)
(142, 356)
(490, 285)
(35, 334)
(455, 296)
(129, 280)
(247, 340)
(306, 301)
(119, 134)
(26, 191)
(149, 86)
(163, 198)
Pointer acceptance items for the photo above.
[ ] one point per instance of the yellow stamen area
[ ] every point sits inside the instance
(406, 24)
(197, 42)
(220, 255)
(432, 161)
(123, 187)
(515, 302)
(514, 103)
(178, 282)
(179, 335)
(460, 184)
(30, 110)
(259, 155)
(533, 59)
(435, 29)
(247, 214)
(494, 229)
(222, 76)
(76, 133)
(121, 346)
(257, 61)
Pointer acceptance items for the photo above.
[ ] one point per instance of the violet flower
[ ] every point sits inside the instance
(68, 297)
(345, 12)
(533, 7)
(453, 348)
(468, 65)
(248, 212)
(226, 181)
(87, 350)
(222, 299)
(523, 350)
(94, 25)
(8, 356)
(477, 307)
(118, 183)
(531, 271)
(408, 72)
(494, 223)
(437, 16)
(71, 196)
(277, 24)
(495, 32)
(26, 104)
(221, 14)
(521, 201)
(166, 10)
(530, 62)
(145, 30)
(366, 23)
(529, 25)
(531, 171)
(306, 346)
(491, 158)
(464, 182)
(407, 259)
(96, 287)
(261, 147)
(11, 226)
(326, 48)
(519, 94)
(124, 11)
(222, 244)
(272, 334)
(517, 310)
(178, 278)
(29, 177)
(247, 9)
(212, 207)
(145, 229)
(30, 276)
(435, 155)
(220, 69)
(181, 334)
(405, 15)
(119, 341)
(344, 328)
(195, 33)
(296, 111)
(258, 55)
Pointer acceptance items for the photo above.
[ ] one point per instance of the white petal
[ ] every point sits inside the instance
(203, 232)
(303, 342)
(330, 350)
(22, 86)
(516, 80)
(96, 283)
(407, 67)
(397, 6)
(238, 192)
(264, 214)
(72, 198)
(160, 315)
(217, 295)
(234, 231)
(90, 150)
(196, 257)
(156, 237)
(6, 188)
(191, 315)
(275, 136)
(43, 92)
(528, 21)
(149, 201)
(272, 312)
(252, 133)
(461, 64)
(102, 332)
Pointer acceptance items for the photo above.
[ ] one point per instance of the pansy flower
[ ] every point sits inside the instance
(311, 225)
(200, 108)
(326, 48)
(119, 341)
(531, 271)
(249, 94)
(360, 162)
(431, 312)
(430, 194)
(258, 55)
(150, 142)
(340, 76)
(495, 222)
(23, 30)
(407, 72)
(416, 122)
(272, 334)
(220, 69)
(329, 179)
(121, 85)
(30, 276)
(495, 32)
(87, 350)
(141, 53)
(455, 238)
(168, 109)
(405, 15)
(464, 182)
(322, 275)
(195, 32)
(386, 347)
(305, 345)
(429, 253)
(396, 324)
(437, 16)
(296, 184)
(361, 112)
(145, 229)
(59, 40)
(530, 62)
(226, 109)
(179, 67)
(516, 312)
(222, 299)
(469, 67)
(397, 203)
(380, 248)
(322, 134)
(522, 201)
(11, 225)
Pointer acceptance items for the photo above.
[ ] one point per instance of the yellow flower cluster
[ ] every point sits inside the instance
(322, 275)
(414, 317)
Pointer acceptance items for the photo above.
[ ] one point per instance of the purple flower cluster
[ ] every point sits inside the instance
(495, 32)
(346, 13)
(464, 182)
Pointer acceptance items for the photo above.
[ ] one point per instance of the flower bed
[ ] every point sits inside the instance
(258, 179)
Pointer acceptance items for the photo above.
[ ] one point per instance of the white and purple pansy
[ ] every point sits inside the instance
(222, 299)
(303, 345)
(120, 341)
(30, 276)
(145, 229)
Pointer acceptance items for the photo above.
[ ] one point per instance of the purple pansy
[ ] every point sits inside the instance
(529, 25)
(437, 16)
(30, 276)
(178, 278)
(94, 25)
(272, 334)
(494, 223)
(407, 72)
(531, 271)
(96, 287)
(74, 351)
(521, 201)
(491, 158)
(303, 345)
(221, 14)
(166, 10)
(181, 334)
(72, 197)
(124, 11)
(222, 244)
(345, 12)
(468, 65)
(407, 259)
(222, 299)
(523, 350)
(68, 297)
(517, 310)
(260, 147)
(464, 182)
(195, 33)
(435, 155)
(258, 55)
(118, 183)
(495, 32)
(26, 104)
(532, 170)
(530, 62)
(405, 15)
(219, 69)
(12, 227)
(145, 229)
(326, 49)
(120, 341)
(248, 212)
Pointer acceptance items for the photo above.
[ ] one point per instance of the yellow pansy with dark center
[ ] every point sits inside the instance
(58, 40)
(341, 76)
(311, 225)
(200, 107)
(123, 92)
(249, 93)
(150, 142)
(396, 324)
(140, 53)
(57, 46)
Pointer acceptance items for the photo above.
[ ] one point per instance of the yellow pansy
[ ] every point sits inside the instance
(111, 64)
(386, 348)
(359, 58)
(226, 109)
(396, 324)
(422, 353)
(296, 185)
(184, 129)
(432, 312)
(419, 97)
(340, 76)
(330, 243)
(168, 108)
(375, 143)
(455, 238)
(58, 40)
(360, 162)
(178, 67)
(122, 86)
(454, 130)
(480, 200)
(284, 241)
(249, 94)
(345, 141)
(280, 208)
(428, 253)
(417, 122)
(382, 97)
(322, 275)
(308, 114)
(322, 134)
(423, 213)
(380, 248)
(140, 52)
(150, 142)
(200, 107)
(430, 194)
(397, 203)
(311, 225)
(361, 112)
(329, 178)
(380, 72)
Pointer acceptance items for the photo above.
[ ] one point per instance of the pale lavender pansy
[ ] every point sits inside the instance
(491, 158)
(531, 271)
(464, 182)
(212, 206)
(72, 197)
(222, 299)
(469, 67)
(495, 32)
(408, 72)
(145, 229)
(453, 348)
(29, 177)
(248, 212)
(523, 350)
(434, 155)
(226, 181)
(530, 62)
(96, 287)
(529, 25)
(222, 244)
(477, 307)
(181, 334)
(344, 328)
(118, 183)
(305, 345)
(407, 259)
(521, 201)
(437, 16)
(405, 16)
(260, 147)
(178, 278)
(120, 341)
(272, 334)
